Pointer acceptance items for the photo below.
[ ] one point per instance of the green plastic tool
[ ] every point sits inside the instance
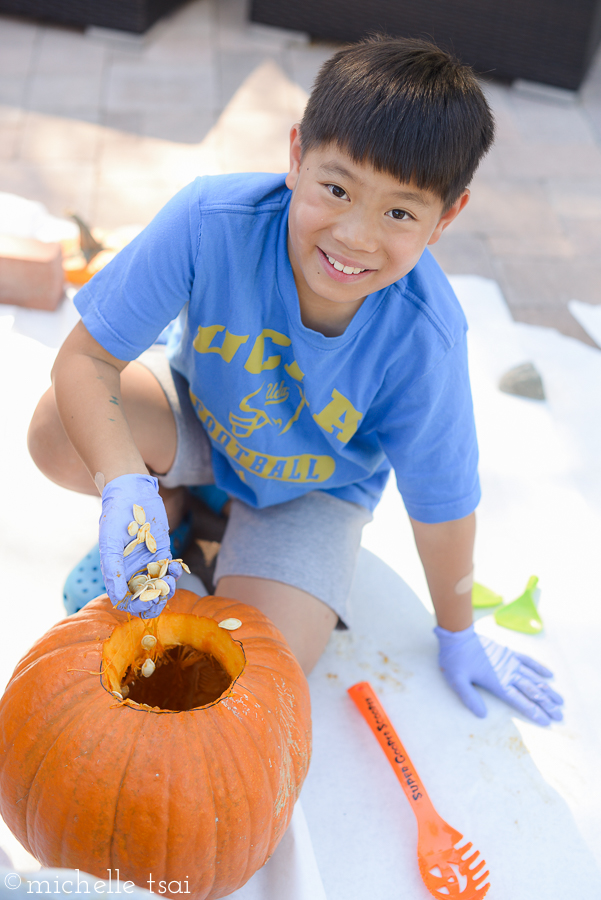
(483, 597)
(522, 614)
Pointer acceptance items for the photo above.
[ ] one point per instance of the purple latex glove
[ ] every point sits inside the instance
(118, 500)
(467, 659)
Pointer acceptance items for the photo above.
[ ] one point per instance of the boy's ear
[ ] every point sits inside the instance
(449, 215)
(295, 157)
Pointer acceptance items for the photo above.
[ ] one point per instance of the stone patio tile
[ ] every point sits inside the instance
(233, 70)
(113, 207)
(11, 127)
(539, 121)
(58, 185)
(558, 317)
(503, 207)
(576, 198)
(533, 245)
(532, 283)
(463, 254)
(144, 87)
(584, 234)
(506, 127)
(62, 51)
(255, 142)
(183, 128)
(47, 138)
(13, 89)
(542, 160)
(75, 95)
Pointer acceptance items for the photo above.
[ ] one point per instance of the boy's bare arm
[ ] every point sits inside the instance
(88, 398)
(446, 551)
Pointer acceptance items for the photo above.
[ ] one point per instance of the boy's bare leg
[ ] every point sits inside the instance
(305, 621)
(152, 424)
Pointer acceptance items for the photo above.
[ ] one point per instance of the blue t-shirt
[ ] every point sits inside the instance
(287, 409)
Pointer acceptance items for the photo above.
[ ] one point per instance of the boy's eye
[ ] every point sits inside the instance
(399, 214)
(337, 191)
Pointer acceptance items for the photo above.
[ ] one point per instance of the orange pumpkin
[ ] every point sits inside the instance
(193, 776)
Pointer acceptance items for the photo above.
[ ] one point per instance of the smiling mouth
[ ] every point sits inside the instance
(340, 267)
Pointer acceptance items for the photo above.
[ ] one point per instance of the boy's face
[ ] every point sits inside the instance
(353, 231)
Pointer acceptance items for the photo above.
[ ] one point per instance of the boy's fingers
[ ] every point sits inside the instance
(527, 707)
(541, 695)
(535, 666)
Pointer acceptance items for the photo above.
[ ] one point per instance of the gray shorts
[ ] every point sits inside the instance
(311, 542)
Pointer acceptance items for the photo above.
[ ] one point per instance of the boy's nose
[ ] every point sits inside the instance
(356, 233)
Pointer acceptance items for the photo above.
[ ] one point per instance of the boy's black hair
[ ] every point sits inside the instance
(405, 107)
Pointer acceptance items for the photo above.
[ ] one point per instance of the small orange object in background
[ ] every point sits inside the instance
(31, 272)
(78, 271)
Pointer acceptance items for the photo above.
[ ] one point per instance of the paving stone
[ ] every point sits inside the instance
(463, 254)
(533, 246)
(47, 138)
(76, 95)
(11, 127)
(142, 86)
(576, 198)
(559, 318)
(541, 160)
(59, 185)
(504, 207)
(529, 282)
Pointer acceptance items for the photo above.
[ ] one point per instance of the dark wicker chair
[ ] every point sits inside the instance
(550, 41)
(126, 15)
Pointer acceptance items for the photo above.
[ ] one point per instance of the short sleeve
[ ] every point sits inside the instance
(127, 304)
(429, 436)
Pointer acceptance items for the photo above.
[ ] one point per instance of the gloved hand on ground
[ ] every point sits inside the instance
(467, 659)
(118, 500)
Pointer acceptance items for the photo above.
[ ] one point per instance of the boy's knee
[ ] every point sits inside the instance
(47, 442)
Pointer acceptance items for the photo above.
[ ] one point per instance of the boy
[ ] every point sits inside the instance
(317, 344)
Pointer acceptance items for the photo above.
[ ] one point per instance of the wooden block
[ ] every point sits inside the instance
(31, 272)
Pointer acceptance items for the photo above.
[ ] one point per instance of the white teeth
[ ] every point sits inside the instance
(348, 270)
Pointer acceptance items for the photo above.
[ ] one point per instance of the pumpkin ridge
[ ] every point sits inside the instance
(232, 756)
(132, 744)
(252, 738)
(31, 823)
(197, 728)
(23, 725)
(253, 826)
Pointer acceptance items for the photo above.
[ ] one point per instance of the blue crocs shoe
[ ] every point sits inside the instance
(85, 582)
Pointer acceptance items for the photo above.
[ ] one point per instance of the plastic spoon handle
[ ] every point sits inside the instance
(373, 712)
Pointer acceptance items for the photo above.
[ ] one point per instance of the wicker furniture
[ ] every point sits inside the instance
(125, 15)
(550, 41)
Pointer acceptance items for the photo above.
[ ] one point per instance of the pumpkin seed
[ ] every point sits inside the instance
(148, 668)
(230, 624)
(132, 529)
(149, 594)
(142, 532)
(117, 695)
(148, 641)
(136, 582)
(125, 690)
(139, 514)
(131, 547)
(154, 569)
(151, 544)
(161, 586)
(164, 566)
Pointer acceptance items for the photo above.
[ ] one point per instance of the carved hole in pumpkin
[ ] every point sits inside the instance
(184, 678)
(196, 661)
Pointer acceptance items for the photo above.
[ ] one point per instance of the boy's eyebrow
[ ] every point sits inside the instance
(335, 168)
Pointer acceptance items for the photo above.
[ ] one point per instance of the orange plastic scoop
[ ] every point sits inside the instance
(448, 869)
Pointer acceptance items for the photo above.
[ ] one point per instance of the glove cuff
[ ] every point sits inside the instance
(448, 638)
(131, 481)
